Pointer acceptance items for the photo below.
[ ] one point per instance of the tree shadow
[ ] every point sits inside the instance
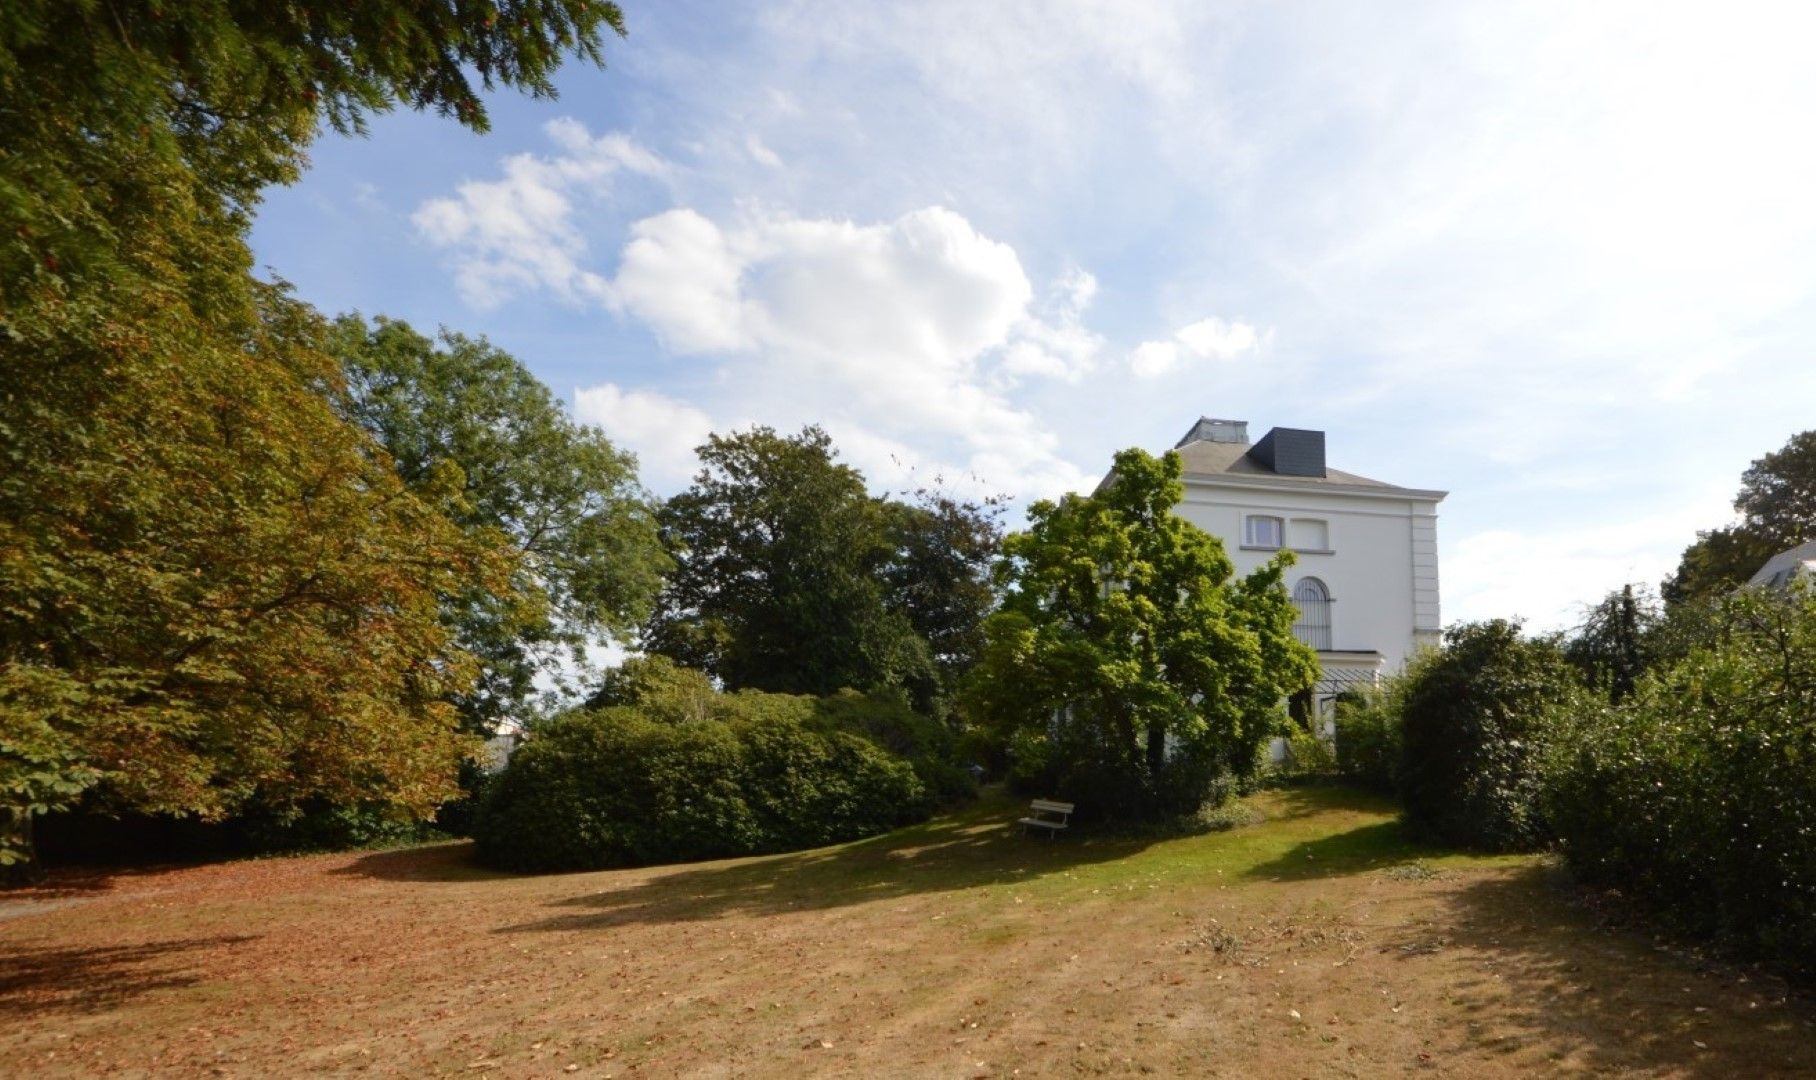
(1607, 999)
(1317, 797)
(451, 861)
(975, 847)
(1356, 851)
(44, 981)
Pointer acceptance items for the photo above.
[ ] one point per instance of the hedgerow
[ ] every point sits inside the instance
(1698, 794)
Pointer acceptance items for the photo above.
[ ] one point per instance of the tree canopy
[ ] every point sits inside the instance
(103, 106)
(589, 560)
(791, 577)
(1129, 662)
(1777, 504)
(210, 591)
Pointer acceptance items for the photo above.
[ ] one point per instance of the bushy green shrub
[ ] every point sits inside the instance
(1698, 794)
(1368, 737)
(714, 775)
(1477, 721)
(1309, 755)
(886, 719)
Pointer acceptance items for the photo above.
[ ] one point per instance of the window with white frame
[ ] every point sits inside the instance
(1262, 531)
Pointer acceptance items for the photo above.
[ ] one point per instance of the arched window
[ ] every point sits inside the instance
(1313, 601)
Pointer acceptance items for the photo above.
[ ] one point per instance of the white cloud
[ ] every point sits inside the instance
(1206, 339)
(880, 331)
(761, 153)
(1054, 341)
(660, 430)
(518, 233)
(680, 275)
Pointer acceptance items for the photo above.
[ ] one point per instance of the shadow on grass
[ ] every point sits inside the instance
(1603, 1000)
(44, 981)
(1356, 851)
(978, 846)
(447, 861)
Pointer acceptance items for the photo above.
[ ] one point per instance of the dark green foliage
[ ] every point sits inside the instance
(1478, 718)
(614, 788)
(887, 720)
(663, 689)
(768, 772)
(791, 578)
(663, 768)
(1129, 669)
(557, 491)
(1368, 737)
(1613, 647)
(102, 105)
(1777, 504)
(1698, 794)
(938, 576)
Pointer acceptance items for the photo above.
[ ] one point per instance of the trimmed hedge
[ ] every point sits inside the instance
(1698, 794)
(634, 784)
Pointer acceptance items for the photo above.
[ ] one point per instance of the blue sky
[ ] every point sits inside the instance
(1557, 259)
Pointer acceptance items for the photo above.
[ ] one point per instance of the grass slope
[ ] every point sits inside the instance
(1317, 943)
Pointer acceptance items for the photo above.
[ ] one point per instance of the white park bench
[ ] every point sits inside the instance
(1047, 814)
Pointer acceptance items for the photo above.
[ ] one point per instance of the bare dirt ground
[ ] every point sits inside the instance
(1317, 943)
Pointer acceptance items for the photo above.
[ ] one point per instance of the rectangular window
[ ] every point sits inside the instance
(1308, 534)
(1263, 532)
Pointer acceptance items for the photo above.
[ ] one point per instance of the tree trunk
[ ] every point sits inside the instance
(1157, 749)
(16, 834)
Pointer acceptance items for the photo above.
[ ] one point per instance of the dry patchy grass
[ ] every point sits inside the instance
(1317, 943)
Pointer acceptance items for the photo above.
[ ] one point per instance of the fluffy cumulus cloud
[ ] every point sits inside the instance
(906, 338)
(663, 431)
(1206, 339)
(517, 233)
(895, 335)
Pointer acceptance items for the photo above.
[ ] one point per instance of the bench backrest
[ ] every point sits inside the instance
(1050, 807)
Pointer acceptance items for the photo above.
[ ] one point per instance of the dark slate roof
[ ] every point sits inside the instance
(1219, 459)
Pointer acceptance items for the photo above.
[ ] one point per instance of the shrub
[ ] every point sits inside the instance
(1309, 755)
(1368, 737)
(1476, 718)
(1698, 794)
(611, 787)
(885, 718)
(643, 783)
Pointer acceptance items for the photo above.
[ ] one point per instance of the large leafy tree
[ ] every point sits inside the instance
(105, 105)
(938, 576)
(1777, 505)
(1128, 658)
(209, 592)
(779, 584)
(568, 501)
(791, 577)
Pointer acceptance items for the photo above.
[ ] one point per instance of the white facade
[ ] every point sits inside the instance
(1366, 576)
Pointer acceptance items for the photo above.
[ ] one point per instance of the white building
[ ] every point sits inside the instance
(1366, 579)
(1793, 564)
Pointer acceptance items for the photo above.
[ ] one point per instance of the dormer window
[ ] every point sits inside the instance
(1263, 532)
